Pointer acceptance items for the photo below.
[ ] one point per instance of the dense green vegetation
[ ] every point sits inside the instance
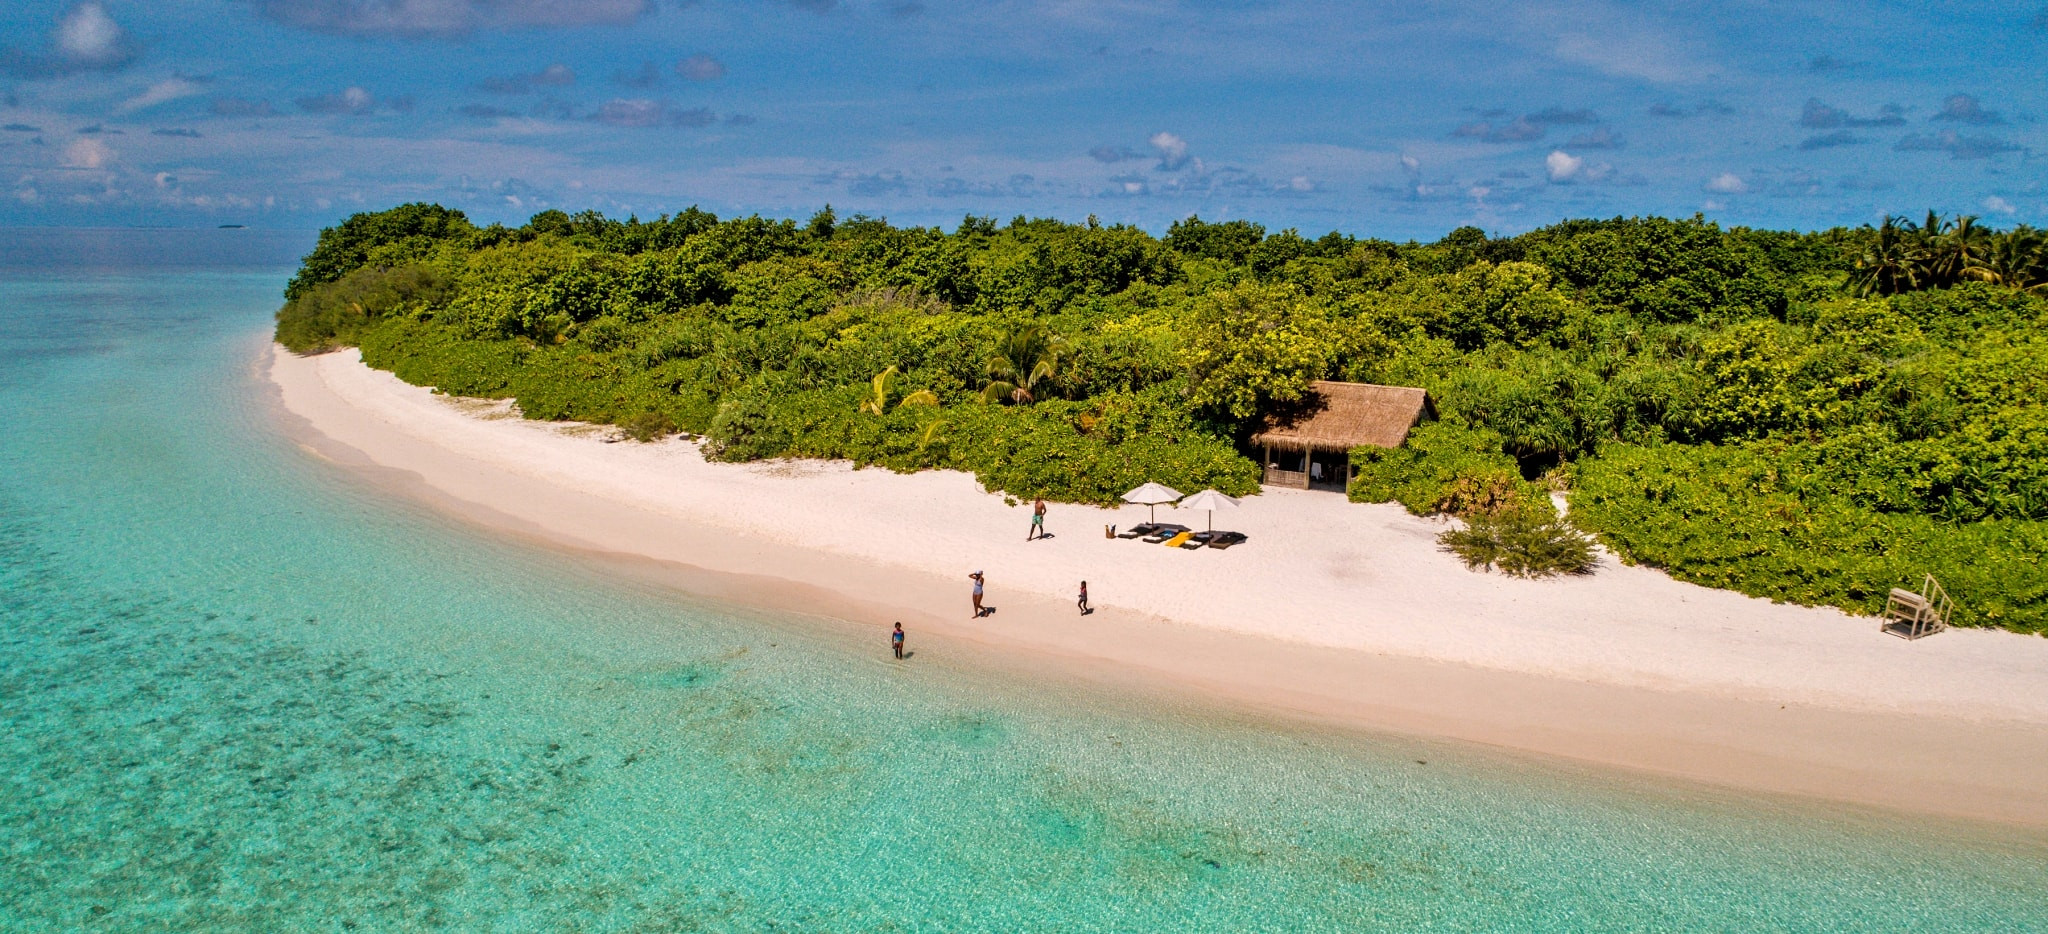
(1809, 417)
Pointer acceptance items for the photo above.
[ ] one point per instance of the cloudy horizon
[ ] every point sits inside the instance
(1321, 116)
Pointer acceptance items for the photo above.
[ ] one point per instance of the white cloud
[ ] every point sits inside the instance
(1727, 183)
(701, 68)
(1627, 40)
(169, 89)
(85, 38)
(89, 36)
(1173, 151)
(1998, 205)
(555, 76)
(1962, 108)
(1642, 55)
(87, 154)
(640, 112)
(446, 18)
(1563, 166)
(350, 101)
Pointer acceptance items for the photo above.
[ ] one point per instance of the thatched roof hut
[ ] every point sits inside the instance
(1336, 418)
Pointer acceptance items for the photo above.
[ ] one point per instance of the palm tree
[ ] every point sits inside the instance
(1028, 357)
(2018, 259)
(877, 400)
(1890, 262)
(1948, 255)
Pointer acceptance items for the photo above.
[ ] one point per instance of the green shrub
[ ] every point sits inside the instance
(647, 426)
(747, 428)
(1445, 467)
(1532, 543)
(334, 314)
(1728, 516)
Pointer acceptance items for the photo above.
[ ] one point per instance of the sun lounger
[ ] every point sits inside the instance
(1200, 539)
(1140, 530)
(1227, 539)
(1179, 540)
(1164, 531)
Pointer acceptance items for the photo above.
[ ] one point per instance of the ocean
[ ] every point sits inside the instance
(246, 689)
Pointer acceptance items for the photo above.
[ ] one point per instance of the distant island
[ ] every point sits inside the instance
(232, 226)
(1809, 417)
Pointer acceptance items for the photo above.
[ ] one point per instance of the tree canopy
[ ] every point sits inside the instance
(1813, 417)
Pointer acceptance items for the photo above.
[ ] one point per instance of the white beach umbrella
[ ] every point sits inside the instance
(1211, 501)
(1152, 494)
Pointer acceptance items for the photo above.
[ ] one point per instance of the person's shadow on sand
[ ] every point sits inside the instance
(987, 611)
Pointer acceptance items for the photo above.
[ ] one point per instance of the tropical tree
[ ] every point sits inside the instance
(1028, 357)
(877, 400)
(1947, 255)
(2018, 259)
(1251, 347)
(1890, 262)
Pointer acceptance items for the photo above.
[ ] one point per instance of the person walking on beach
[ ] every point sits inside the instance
(896, 640)
(1083, 602)
(976, 578)
(1037, 521)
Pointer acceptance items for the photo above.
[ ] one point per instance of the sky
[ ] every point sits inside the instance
(1398, 120)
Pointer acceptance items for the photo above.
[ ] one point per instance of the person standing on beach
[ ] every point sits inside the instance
(976, 578)
(1037, 520)
(896, 640)
(1083, 602)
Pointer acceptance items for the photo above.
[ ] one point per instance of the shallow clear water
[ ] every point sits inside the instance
(242, 690)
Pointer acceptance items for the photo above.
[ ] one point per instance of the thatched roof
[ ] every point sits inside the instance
(1342, 416)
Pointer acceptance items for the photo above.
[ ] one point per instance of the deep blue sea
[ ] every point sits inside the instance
(241, 689)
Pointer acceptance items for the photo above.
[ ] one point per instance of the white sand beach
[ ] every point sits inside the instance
(1332, 610)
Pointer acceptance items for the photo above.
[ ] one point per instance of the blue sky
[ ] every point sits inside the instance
(1386, 119)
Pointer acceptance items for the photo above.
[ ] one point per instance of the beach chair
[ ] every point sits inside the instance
(1164, 531)
(1200, 540)
(1910, 615)
(1179, 540)
(1224, 540)
(1140, 530)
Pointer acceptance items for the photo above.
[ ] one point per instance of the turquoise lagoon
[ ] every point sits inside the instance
(245, 690)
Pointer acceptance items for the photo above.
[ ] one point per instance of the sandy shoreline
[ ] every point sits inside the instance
(1334, 611)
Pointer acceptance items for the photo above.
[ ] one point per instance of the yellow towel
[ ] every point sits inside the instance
(1179, 540)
